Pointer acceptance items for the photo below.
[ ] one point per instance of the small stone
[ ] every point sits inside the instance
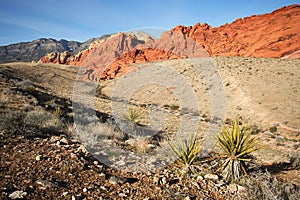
(273, 129)
(164, 180)
(279, 138)
(122, 195)
(45, 184)
(197, 185)
(211, 177)
(187, 198)
(103, 188)
(19, 194)
(72, 155)
(82, 149)
(199, 178)
(63, 141)
(155, 179)
(131, 142)
(235, 188)
(54, 139)
(96, 162)
(65, 193)
(220, 183)
(120, 163)
(115, 180)
(38, 158)
(84, 190)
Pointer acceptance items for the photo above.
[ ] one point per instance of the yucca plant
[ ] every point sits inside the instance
(132, 116)
(236, 145)
(58, 112)
(185, 150)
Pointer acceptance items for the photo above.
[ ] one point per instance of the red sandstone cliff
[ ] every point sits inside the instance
(275, 35)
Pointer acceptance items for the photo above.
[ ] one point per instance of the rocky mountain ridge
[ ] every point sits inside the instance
(34, 50)
(272, 35)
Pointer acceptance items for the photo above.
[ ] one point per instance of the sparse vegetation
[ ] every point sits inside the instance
(263, 185)
(133, 116)
(143, 144)
(58, 112)
(236, 144)
(171, 107)
(29, 123)
(30, 128)
(185, 150)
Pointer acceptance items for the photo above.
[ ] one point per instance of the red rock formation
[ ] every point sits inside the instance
(115, 56)
(124, 64)
(65, 57)
(270, 35)
(294, 55)
(276, 34)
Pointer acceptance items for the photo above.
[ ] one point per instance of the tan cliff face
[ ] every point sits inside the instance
(273, 35)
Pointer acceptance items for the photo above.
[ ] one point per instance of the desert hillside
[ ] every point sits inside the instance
(43, 155)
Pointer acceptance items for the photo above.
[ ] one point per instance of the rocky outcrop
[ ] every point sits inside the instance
(34, 50)
(125, 63)
(269, 35)
(294, 55)
(116, 56)
(272, 35)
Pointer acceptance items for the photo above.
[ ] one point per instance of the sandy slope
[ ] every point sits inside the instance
(264, 91)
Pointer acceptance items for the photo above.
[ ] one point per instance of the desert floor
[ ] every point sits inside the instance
(44, 156)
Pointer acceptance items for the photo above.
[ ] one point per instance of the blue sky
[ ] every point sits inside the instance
(26, 20)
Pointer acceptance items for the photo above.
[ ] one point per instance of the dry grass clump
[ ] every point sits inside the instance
(93, 132)
(263, 185)
(143, 145)
(12, 121)
(36, 122)
(26, 85)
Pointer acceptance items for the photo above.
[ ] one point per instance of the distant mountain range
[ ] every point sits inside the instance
(34, 50)
(272, 35)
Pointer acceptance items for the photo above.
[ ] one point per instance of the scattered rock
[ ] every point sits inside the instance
(19, 194)
(164, 181)
(211, 177)
(38, 157)
(199, 178)
(116, 180)
(63, 141)
(65, 193)
(44, 184)
(273, 129)
(236, 189)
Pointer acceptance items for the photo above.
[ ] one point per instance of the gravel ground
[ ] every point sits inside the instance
(42, 158)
